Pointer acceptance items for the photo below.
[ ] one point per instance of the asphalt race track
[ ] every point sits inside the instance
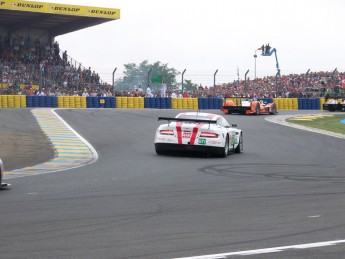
(286, 189)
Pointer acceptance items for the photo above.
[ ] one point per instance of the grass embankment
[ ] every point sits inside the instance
(329, 122)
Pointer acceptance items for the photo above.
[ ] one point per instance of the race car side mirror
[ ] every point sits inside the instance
(234, 125)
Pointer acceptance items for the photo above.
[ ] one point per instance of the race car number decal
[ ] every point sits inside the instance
(186, 134)
(202, 141)
(234, 139)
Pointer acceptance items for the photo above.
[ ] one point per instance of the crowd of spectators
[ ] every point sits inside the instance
(315, 84)
(29, 63)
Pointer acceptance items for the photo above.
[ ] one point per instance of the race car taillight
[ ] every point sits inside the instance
(206, 134)
(167, 132)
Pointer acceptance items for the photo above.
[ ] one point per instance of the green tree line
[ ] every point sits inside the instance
(137, 75)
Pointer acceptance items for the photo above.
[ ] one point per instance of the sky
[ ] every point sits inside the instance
(203, 36)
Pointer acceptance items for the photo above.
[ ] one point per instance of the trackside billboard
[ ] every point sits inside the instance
(64, 9)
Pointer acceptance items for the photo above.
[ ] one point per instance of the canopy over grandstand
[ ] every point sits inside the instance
(56, 19)
(30, 57)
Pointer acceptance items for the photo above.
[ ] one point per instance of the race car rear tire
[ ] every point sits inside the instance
(273, 110)
(239, 148)
(225, 152)
(257, 109)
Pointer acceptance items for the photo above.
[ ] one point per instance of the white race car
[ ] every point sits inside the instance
(2, 185)
(195, 131)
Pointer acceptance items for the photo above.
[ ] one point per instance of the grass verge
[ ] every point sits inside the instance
(329, 122)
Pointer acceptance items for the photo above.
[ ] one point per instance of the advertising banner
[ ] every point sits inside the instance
(62, 9)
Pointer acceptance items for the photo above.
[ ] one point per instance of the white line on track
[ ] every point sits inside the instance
(71, 149)
(266, 250)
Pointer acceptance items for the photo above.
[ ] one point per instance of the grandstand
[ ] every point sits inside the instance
(29, 55)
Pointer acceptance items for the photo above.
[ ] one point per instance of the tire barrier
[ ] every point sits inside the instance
(13, 101)
(210, 103)
(22, 101)
(184, 103)
(309, 103)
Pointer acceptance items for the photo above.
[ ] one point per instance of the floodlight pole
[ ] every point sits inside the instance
(114, 80)
(148, 77)
(255, 56)
(245, 81)
(182, 78)
(214, 83)
(334, 73)
(306, 77)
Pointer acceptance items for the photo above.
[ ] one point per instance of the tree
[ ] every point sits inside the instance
(135, 75)
(189, 86)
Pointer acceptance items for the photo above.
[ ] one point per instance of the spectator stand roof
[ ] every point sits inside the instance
(58, 19)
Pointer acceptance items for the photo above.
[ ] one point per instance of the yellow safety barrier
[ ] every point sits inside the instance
(60, 101)
(4, 101)
(195, 104)
(130, 102)
(66, 102)
(83, 102)
(71, 101)
(124, 102)
(17, 101)
(10, 100)
(77, 101)
(179, 103)
(294, 103)
(174, 103)
(141, 102)
(184, 103)
(118, 102)
(23, 101)
(190, 104)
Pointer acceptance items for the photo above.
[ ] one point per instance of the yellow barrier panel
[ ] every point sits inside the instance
(289, 104)
(174, 103)
(71, 101)
(77, 101)
(130, 102)
(10, 100)
(118, 102)
(190, 103)
(0, 100)
(83, 102)
(322, 102)
(294, 103)
(179, 103)
(136, 102)
(141, 102)
(60, 101)
(195, 104)
(281, 104)
(23, 101)
(285, 101)
(124, 101)
(184, 103)
(66, 101)
(17, 101)
(4, 101)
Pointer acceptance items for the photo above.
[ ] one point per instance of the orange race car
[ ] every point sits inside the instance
(249, 107)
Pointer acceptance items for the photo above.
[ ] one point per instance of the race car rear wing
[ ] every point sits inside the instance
(187, 120)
